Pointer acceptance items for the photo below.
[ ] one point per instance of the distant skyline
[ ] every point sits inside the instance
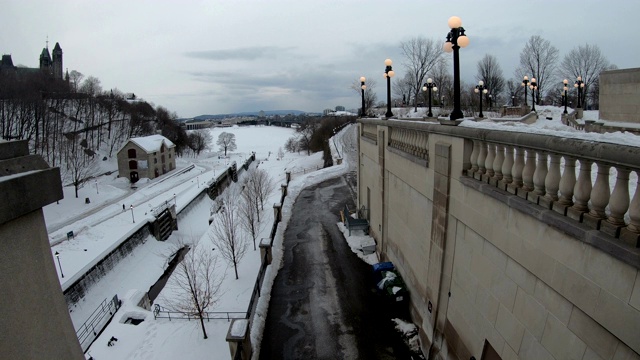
(209, 57)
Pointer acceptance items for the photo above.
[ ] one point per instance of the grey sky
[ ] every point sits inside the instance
(206, 57)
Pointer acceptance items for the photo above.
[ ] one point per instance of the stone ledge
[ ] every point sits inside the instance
(29, 191)
(420, 161)
(619, 249)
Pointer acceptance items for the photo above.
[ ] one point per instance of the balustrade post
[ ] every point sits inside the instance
(581, 191)
(482, 156)
(600, 195)
(497, 165)
(488, 162)
(539, 176)
(631, 233)
(618, 204)
(516, 171)
(507, 165)
(551, 182)
(527, 174)
(424, 146)
(567, 183)
(474, 157)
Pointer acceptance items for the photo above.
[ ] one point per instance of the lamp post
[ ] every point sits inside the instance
(513, 100)
(480, 89)
(490, 101)
(533, 86)
(363, 87)
(565, 82)
(525, 82)
(429, 87)
(388, 74)
(455, 40)
(57, 254)
(174, 200)
(97, 191)
(442, 101)
(132, 217)
(579, 85)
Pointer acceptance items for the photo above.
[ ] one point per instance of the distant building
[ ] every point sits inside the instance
(50, 64)
(340, 108)
(146, 157)
(195, 124)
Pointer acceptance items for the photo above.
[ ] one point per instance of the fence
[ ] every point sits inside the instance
(98, 320)
(160, 313)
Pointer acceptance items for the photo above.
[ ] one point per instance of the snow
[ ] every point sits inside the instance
(102, 224)
(152, 143)
(239, 328)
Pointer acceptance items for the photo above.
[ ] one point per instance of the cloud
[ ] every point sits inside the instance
(246, 53)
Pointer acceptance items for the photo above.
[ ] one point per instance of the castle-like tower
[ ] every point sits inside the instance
(49, 65)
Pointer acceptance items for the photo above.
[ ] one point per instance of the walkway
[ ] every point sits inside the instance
(322, 303)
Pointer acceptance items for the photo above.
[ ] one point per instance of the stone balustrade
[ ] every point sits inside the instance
(412, 142)
(369, 131)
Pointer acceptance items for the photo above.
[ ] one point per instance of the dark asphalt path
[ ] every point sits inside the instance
(322, 303)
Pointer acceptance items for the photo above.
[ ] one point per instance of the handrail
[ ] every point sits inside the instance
(160, 313)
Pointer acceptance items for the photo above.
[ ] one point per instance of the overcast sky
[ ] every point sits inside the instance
(210, 57)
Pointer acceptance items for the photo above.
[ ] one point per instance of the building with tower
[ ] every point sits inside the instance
(50, 64)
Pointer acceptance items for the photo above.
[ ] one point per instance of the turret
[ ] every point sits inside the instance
(57, 62)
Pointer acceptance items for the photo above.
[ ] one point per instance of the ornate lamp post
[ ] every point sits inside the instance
(525, 82)
(429, 87)
(533, 86)
(579, 85)
(388, 74)
(565, 82)
(57, 254)
(363, 87)
(480, 89)
(455, 40)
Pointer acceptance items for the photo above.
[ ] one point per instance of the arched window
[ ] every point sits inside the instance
(132, 153)
(162, 148)
(133, 164)
(162, 158)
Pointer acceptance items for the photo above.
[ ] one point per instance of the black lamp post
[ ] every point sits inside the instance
(533, 86)
(455, 40)
(565, 82)
(579, 85)
(132, 218)
(388, 73)
(513, 100)
(481, 90)
(490, 101)
(362, 87)
(57, 254)
(525, 82)
(429, 87)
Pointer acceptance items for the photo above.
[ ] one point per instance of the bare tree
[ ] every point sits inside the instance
(280, 153)
(306, 131)
(80, 166)
(292, 145)
(442, 78)
(250, 213)
(370, 96)
(261, 185)
(515, 89)
(587, 62)
(200, 140)
(538, 59)
(490, 72)
(225, 231)
(195, 284)
(420, 56)
(404, 87)
(227, 142)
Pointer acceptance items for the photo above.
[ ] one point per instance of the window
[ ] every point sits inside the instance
(155, 160)
(162, 158)
(162, 148)
(133, 164)
(131, 153)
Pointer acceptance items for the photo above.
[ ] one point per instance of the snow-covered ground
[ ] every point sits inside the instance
(102, 224)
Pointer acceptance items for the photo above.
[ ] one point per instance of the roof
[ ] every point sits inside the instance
(152, 143)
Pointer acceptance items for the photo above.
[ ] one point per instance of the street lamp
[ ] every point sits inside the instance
(429, 87)
(533, 86)
(132, 218)
(362, 87)
(579, 85)
(480, 89)
(388, 74)
(174, 200)
(490, 101)
(97, 191)
(455, 40)
(57, 254)
(565, 82)
(513, 100)
(525, 81)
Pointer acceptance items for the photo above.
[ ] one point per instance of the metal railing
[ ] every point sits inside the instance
(160, 312)
(98, 320)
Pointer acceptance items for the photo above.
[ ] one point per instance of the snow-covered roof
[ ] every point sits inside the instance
(152, 143)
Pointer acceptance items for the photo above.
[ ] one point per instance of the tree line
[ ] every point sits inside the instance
(424, 58)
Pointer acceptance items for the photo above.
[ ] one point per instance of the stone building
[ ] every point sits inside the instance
(50, 64)
(35, 320)
(146, 157)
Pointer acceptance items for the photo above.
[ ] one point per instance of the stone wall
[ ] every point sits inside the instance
(500, 278)
(620, 95)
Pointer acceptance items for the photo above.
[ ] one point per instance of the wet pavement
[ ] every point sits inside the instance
(323, 304)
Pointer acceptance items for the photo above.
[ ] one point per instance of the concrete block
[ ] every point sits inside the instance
(561, 342)
(487, 304)
(623, 352)
(630, 237)
(495, 255)
(635, 295)
(576, 288)
(593, 334)
(531, 349)
(552, 301)
(563, 248)
(530, 313)
(510, 328)
(465, 281)
(609, 273)
(589, 354)
(508, 353)
(523, 278)
(619, 318)
(504, 289)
